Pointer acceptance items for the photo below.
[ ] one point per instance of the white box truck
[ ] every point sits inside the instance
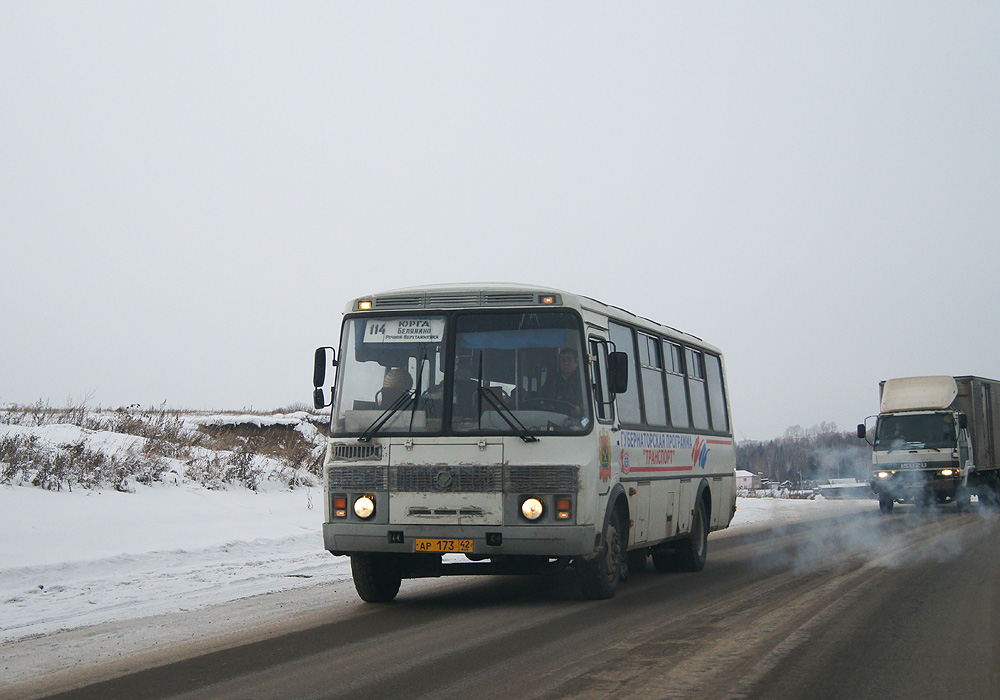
(935, 441)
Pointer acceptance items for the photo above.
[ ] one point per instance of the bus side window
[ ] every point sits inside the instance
(716, 393)
(654, 400)
(696, 389)
(629, 411)
(599, 373)
(676, 391)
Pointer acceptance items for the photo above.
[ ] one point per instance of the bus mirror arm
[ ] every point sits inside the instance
(963, 421)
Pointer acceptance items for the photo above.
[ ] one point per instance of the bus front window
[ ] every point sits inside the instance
(519, 372)
(391, 369)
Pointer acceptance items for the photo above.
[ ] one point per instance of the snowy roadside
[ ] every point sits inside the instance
(75, 559)
(93, 584)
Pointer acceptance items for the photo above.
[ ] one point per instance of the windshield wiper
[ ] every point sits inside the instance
(388, 413)
(509, 417)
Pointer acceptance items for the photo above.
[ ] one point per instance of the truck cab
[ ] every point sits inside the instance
(920, 457)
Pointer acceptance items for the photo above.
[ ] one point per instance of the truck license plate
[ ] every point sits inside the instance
(433, 545)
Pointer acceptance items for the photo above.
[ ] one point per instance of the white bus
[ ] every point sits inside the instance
(520, 429)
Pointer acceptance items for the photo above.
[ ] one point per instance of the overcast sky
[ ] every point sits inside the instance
(191, 191)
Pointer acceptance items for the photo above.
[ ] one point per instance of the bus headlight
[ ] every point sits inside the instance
(531, 508)
(883, 475)
(364, 507)
(947, 472)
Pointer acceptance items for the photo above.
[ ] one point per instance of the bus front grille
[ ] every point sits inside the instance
(357, 478)
(346, 452)
(446, 479)
(542, 479)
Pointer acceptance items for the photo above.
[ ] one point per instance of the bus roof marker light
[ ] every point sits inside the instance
(548, 299)
(365, 305)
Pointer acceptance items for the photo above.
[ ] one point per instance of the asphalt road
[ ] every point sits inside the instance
(869, 606)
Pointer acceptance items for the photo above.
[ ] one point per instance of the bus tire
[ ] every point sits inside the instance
(599, 575)
(376, 577)
(692, 551)
(885, 504)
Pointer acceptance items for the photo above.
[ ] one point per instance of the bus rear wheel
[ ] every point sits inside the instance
(599, 576)
(689, 553)
(376, 577)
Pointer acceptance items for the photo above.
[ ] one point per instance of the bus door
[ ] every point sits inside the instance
(609, 457)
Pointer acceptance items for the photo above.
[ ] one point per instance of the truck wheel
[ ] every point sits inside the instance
(599, 576)
(962, 498)
(376, 577)
(885, 504)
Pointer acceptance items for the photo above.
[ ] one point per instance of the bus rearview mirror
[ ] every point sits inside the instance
(319, 365)
(618, 372)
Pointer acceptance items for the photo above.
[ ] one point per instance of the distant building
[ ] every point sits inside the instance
(844, 488)
(747, 480)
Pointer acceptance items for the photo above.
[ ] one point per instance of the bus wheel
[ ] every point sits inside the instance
(692, 551)
(689, 553)
(885, 504)
(376, 577)
(636, 562)
(599, 576)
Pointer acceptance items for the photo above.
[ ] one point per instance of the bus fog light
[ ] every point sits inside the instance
(364, 507)
(531, 508)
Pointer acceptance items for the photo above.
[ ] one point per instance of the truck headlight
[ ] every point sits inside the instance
(531, 508)
(364, 507)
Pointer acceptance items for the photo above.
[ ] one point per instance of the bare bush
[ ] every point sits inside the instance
(26, 459)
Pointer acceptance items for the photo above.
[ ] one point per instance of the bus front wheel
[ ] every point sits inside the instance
(599, 576)
(376, 577)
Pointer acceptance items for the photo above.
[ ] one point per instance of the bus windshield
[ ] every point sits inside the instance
(916, 431)
(509, 373)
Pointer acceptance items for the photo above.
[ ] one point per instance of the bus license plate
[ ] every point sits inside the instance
(428, 545)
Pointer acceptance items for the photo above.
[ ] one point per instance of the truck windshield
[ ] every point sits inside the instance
(509, 373)
(914, 432)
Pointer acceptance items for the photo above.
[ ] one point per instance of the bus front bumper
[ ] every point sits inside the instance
(487, 541)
